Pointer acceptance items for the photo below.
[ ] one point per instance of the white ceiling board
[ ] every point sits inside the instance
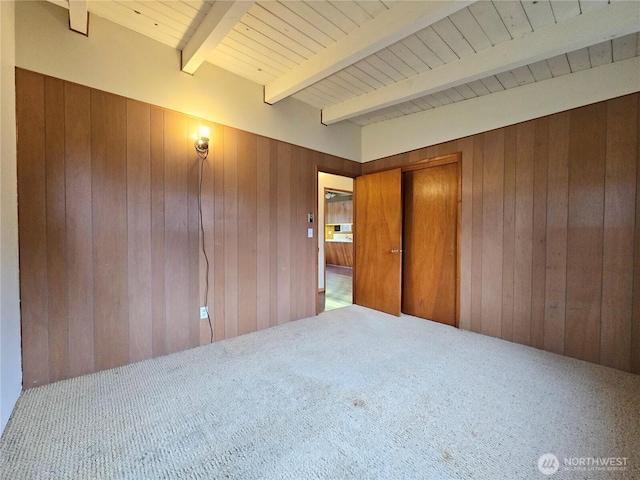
(540, 70)
(539, 13)
(489, 19)
(514, 18)
(384, 30)
(453, 38)
(423, 52)
(565, 9)
(470, 30)
(617, 19)
(213, 29)
(334, 53)
(559, 65)
(478, 88)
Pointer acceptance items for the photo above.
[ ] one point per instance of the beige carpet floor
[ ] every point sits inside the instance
(350, 394)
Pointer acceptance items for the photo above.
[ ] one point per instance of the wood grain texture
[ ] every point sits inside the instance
(158, 294)
(77, 118)
(556, 247)
(230, 232)
(32, 225)
(508, 231)
(466, 239)
(176, 232)
(635, 320)
(109, 214)
(339, 253)
(139, 230)
(523, 233)
(564, 231)
(56, 232)
(193, 225)
(206, 242)
(538, 274)
(430, 237)
(476, 229)
(585, 231)
(273, 231)
(263, 233)
(217, 273)
(492, 233)
(378, 217)
(63, 205)
(247, 233)
(619, 225)
(283, 226)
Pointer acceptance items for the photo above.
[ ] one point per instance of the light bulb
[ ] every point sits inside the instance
(204, 132)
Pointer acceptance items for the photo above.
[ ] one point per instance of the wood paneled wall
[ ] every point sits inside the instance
(550, 238)
(111, 270)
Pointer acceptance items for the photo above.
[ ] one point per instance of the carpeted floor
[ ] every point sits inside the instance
(352, 394)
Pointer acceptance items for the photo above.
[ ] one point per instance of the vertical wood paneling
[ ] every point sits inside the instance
(492, 232)
(32, 224)
(217, 150)
(109, 213)
(193, 225)
(284, 235)
(466, 240)
(619, 223)
(77, 120)
(635, 321)
(523, 233)
(176, 231)
(541, 150)
(529, 238)
(585, 230)
(274, 175)
(247, 228)
(230, 232)
(556, 251)
(139, 230)
(263, 233)
(208, 242)
(508, 230)
(158, 300)
(56, 233)
(476, 228)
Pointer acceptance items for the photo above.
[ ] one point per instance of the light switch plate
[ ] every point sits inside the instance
(310, 232)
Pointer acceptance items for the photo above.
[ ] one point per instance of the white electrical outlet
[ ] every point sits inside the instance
(204, 312)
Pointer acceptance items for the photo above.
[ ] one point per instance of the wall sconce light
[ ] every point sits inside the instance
(202, 140)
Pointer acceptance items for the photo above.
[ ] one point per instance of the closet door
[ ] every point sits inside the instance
(378, 241)
(430, 243)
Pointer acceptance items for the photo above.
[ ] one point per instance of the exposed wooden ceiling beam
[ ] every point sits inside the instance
(218, 22)
(590, 28)
(79, 16)
(391, 26)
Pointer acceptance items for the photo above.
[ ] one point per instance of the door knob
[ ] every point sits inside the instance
(395, 250)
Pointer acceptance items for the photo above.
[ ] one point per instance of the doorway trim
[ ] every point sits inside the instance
(333, 171)
(436, 162)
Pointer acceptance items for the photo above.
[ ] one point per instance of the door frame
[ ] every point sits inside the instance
(436, 162)
(333, 171)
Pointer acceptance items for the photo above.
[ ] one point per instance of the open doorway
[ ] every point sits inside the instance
(335, 241)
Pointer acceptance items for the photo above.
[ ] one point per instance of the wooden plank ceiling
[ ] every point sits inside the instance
(334, 56)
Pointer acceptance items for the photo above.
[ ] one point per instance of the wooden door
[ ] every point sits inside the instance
(430, 243)
(378, 241)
